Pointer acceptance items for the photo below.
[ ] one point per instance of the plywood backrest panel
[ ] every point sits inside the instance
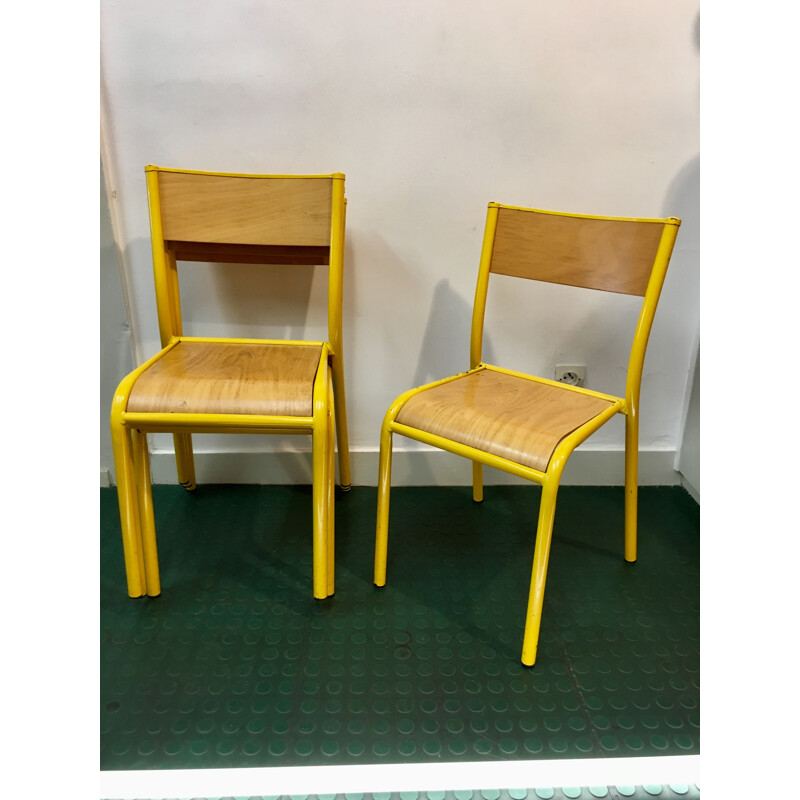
(609, 254)
(245, 210)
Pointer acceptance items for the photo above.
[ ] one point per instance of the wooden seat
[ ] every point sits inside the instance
(522, 424)
(223, 378)
(512, 417)
(218, 385)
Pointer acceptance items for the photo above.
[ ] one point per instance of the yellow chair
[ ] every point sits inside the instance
(522, 424)
(213, 385)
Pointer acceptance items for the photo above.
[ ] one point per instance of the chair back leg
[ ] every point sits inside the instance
(184, 460)
(330, 483)
(345, 479)
(477, 482)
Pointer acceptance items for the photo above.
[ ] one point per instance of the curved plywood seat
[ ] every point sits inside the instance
(505, 415)
(226, 378)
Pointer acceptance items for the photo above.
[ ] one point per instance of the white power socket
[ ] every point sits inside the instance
(574, 375)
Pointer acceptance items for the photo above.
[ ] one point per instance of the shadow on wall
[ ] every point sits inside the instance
(243, 300)
(444, 351)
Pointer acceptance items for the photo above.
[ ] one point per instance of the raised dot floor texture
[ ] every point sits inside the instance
(236, 665)
(671, 792)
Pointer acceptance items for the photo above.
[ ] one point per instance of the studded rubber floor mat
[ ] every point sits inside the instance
(236, 665)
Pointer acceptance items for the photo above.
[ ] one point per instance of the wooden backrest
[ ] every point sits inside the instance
(245, 210)
(250, 219)
(614, 255)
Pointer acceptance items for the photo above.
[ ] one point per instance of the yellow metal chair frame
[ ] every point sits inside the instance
(235, 218)
(516, 243)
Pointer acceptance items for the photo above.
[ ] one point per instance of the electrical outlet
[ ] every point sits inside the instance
(574, 375)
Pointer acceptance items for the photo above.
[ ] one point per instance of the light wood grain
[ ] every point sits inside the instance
(501, 414)
(246, 210)
(607, 254)
(229, 378)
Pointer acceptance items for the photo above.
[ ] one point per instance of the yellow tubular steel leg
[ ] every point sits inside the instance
(541, 554)
(341, 427)
(330, 482)
(141, 458)
(477, 481)
(184, 460)
(319, 446)
(384, 488)
(128, 507)
(631, 483)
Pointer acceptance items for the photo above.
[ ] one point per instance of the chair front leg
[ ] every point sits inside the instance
(384, 489)
(144, 490)
(319, 447)
(541, 555)
(128, 507)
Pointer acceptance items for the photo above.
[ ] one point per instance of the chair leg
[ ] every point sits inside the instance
(184, 460)
(319, 455)
(330, 483)
(477, 482)
(141, 459)
(384, 488)
(128, 508)
(541, 554)
(341, 427)
(631, 484)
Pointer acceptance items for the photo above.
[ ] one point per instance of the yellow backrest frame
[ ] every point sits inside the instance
(165, 263)
(651, 295)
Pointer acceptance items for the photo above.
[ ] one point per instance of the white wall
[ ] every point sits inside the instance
(432, 109)
(115, 335)
(688, 464)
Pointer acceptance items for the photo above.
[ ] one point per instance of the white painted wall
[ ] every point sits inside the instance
(688, 464)
(432, 109)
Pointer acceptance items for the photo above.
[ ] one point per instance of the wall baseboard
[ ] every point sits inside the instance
(409, 468)
(689, 486)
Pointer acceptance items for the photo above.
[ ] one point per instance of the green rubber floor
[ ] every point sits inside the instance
(236, 665)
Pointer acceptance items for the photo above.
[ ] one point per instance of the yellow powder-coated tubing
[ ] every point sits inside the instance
(634, 382)
(150, 168)
(384, 488)
(477, 482)
(335, 276)
(249, 341)
(319, 455)
(631, 484)
(166, 307)
(127, 492)
(482, 288)
(666, 220)
(330, 481)
(227, 423)
(184, 460)
(128, 507)
(146, 517)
